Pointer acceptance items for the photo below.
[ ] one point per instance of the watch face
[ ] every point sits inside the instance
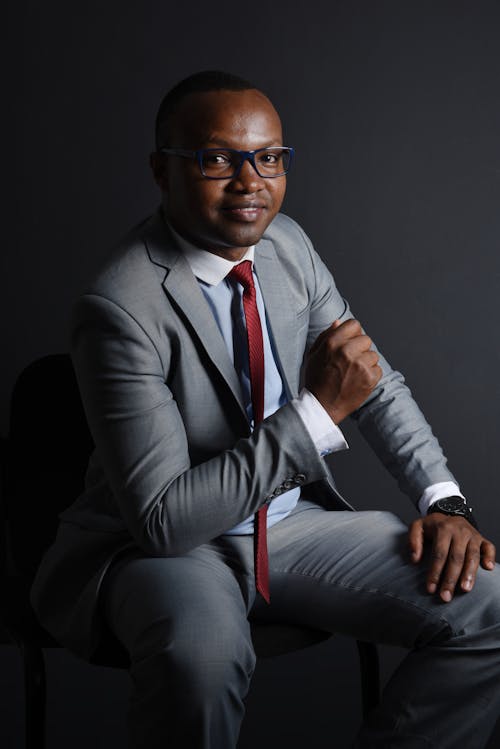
(452, 504)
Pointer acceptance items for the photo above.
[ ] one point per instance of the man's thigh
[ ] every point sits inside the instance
(350, 572)
(200, 600)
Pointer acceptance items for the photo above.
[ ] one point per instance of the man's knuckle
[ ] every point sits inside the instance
(352, 327)
(334, 348)
(439, 555)
(442, 524)
(473, 552)
(365, 341)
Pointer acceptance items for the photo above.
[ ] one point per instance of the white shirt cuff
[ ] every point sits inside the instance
(438, 491)
(325, 434)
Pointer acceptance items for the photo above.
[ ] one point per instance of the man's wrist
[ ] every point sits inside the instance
(326, 435)
(454, 506)
(438, 490)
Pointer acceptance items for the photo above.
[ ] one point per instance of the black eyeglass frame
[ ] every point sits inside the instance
(244, 156)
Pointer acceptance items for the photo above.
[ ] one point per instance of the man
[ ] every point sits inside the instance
(188, 349)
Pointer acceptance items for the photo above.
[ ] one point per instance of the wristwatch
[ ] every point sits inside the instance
(453, 506)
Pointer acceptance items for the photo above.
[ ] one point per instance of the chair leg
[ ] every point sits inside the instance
(35, 695)
(370, 676)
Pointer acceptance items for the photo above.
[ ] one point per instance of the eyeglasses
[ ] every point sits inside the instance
(226, 163)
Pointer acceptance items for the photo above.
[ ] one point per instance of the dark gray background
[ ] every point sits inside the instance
(394, 110)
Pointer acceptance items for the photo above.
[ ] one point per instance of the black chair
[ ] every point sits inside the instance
(48, 445)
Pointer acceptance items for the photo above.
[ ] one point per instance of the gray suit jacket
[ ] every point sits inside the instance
(175, 464)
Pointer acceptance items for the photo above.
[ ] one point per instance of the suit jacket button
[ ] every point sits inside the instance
(288, 484)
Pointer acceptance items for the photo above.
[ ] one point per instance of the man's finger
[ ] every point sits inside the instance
(325, 334)
(488, 555)
(416, 540)
(453, 569)
(371, 358)
(471, 563)
(354, 348)
(350, 329)
(439, 557)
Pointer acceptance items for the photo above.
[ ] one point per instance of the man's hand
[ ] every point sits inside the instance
(457, 551)
(341, 370)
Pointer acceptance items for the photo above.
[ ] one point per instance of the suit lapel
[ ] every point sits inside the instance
(182, 288)
(280, 316)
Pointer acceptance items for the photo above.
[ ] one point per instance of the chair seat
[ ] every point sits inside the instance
(277, 639)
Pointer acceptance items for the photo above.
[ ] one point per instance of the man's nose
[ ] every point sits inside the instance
(247, 178)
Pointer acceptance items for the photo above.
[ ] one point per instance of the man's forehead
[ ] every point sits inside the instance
(223, 98)
(211, 114)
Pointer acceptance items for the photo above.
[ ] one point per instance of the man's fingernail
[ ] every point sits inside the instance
(446, 596)
(432, 587)
(467, 584)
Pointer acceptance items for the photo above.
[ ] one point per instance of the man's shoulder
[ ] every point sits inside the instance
(284, 228)
(291, 243)
(133, 264)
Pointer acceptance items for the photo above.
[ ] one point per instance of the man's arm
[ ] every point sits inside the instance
(169, 505)
(388, 417)
(457, 547)
(362, 384)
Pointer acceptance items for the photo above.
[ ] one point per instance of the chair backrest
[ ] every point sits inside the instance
(48, 448)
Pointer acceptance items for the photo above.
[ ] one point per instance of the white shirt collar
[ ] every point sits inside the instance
(207, 267)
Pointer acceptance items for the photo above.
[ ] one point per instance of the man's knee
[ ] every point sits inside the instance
(199, 662)
(481, 607)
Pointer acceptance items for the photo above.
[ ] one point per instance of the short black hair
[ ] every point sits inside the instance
(205, 80)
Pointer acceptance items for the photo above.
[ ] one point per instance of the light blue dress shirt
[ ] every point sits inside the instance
(226, 302)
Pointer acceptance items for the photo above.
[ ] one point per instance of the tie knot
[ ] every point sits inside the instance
(243, 274)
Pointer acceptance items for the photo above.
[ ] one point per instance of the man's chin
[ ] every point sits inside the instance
(224, 238)
(244, 235)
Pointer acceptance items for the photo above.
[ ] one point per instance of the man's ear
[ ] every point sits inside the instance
(157, 162)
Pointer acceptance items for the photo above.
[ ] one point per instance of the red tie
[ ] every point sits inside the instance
(243, 274)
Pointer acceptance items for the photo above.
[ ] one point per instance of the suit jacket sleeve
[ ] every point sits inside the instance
(168, 505)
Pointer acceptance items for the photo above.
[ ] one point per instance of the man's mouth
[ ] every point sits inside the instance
(246, 212)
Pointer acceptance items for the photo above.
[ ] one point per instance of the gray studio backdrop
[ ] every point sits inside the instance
(394, 111)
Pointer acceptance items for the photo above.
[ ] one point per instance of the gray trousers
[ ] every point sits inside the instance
(184, 621)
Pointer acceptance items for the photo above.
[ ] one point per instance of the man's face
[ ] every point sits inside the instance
(228, 215)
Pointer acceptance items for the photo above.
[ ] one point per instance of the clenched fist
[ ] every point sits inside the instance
(341, 370)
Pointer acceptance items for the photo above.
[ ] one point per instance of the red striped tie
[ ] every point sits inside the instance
(243, 274)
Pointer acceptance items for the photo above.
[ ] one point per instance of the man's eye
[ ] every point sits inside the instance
(270, 158)
(216, 159)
